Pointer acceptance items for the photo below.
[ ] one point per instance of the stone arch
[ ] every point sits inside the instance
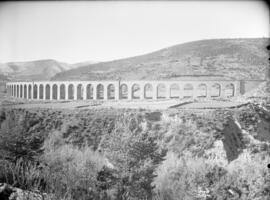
(21, 90)
(41, 91)
(135, 91)
(47, 91)
(18, 91)
(174, 91)
(54, 91)
(188, 90)
(229, 90)
(29, 91)
(62, 91)
(25, 91)
(70, 91)
(123, 91)
(148, 91)
(202, 90)
(215, 90)
(100, 91)
(35, 92)
(80, 92)
(161, 91)
(111, 91)
(89, 91)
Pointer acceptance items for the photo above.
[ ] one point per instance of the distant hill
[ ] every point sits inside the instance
(32, 70)
(207, 59)
(82, 64)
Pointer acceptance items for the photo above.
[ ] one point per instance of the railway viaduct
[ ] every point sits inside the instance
(116, 90)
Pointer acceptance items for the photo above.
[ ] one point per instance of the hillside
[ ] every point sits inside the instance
(120, 154)
(32, 70)
(219, 58)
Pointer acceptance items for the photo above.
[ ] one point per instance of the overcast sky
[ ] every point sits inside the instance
(101, 31)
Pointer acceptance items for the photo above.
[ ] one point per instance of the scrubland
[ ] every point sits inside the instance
(137, 154)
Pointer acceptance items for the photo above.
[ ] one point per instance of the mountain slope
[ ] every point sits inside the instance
(33, 70)
(226, 58)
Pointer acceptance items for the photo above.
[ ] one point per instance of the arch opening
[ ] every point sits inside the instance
(70, 91)
(80, 92)
(174, 91)
(35, 92)
(62, 91)
(215, 90)
(111, 91)
(54, 91)
(89, 91)
(41, 91)
(229, 90)
(148, 91)
(100, 91)
(123, 91)
(18, 91)
(161, 91)
(188, 91)
(29, 91)
(21, 90)
(202, 91)
(15, 91)
(47, 91)
(135, 90)
(25, 91)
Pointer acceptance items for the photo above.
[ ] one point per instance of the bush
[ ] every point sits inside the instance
(72, 171)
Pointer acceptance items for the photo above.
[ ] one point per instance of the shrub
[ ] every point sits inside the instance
(27, 175)
(73, 171)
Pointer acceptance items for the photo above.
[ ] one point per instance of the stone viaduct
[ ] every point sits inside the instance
(116, 90)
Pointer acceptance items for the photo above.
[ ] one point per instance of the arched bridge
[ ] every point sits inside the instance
(118, 90)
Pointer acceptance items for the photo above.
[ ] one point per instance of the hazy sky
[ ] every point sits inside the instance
(101, 31)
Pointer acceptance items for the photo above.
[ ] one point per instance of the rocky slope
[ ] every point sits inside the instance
(218, 58)
(118, 154)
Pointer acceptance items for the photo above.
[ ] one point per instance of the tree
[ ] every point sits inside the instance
(135, 155)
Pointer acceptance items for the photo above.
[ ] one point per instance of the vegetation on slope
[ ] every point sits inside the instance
(32, 70)
(219, 58)
(132, 154)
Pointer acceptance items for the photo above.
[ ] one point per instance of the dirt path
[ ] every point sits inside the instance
(136, 104)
